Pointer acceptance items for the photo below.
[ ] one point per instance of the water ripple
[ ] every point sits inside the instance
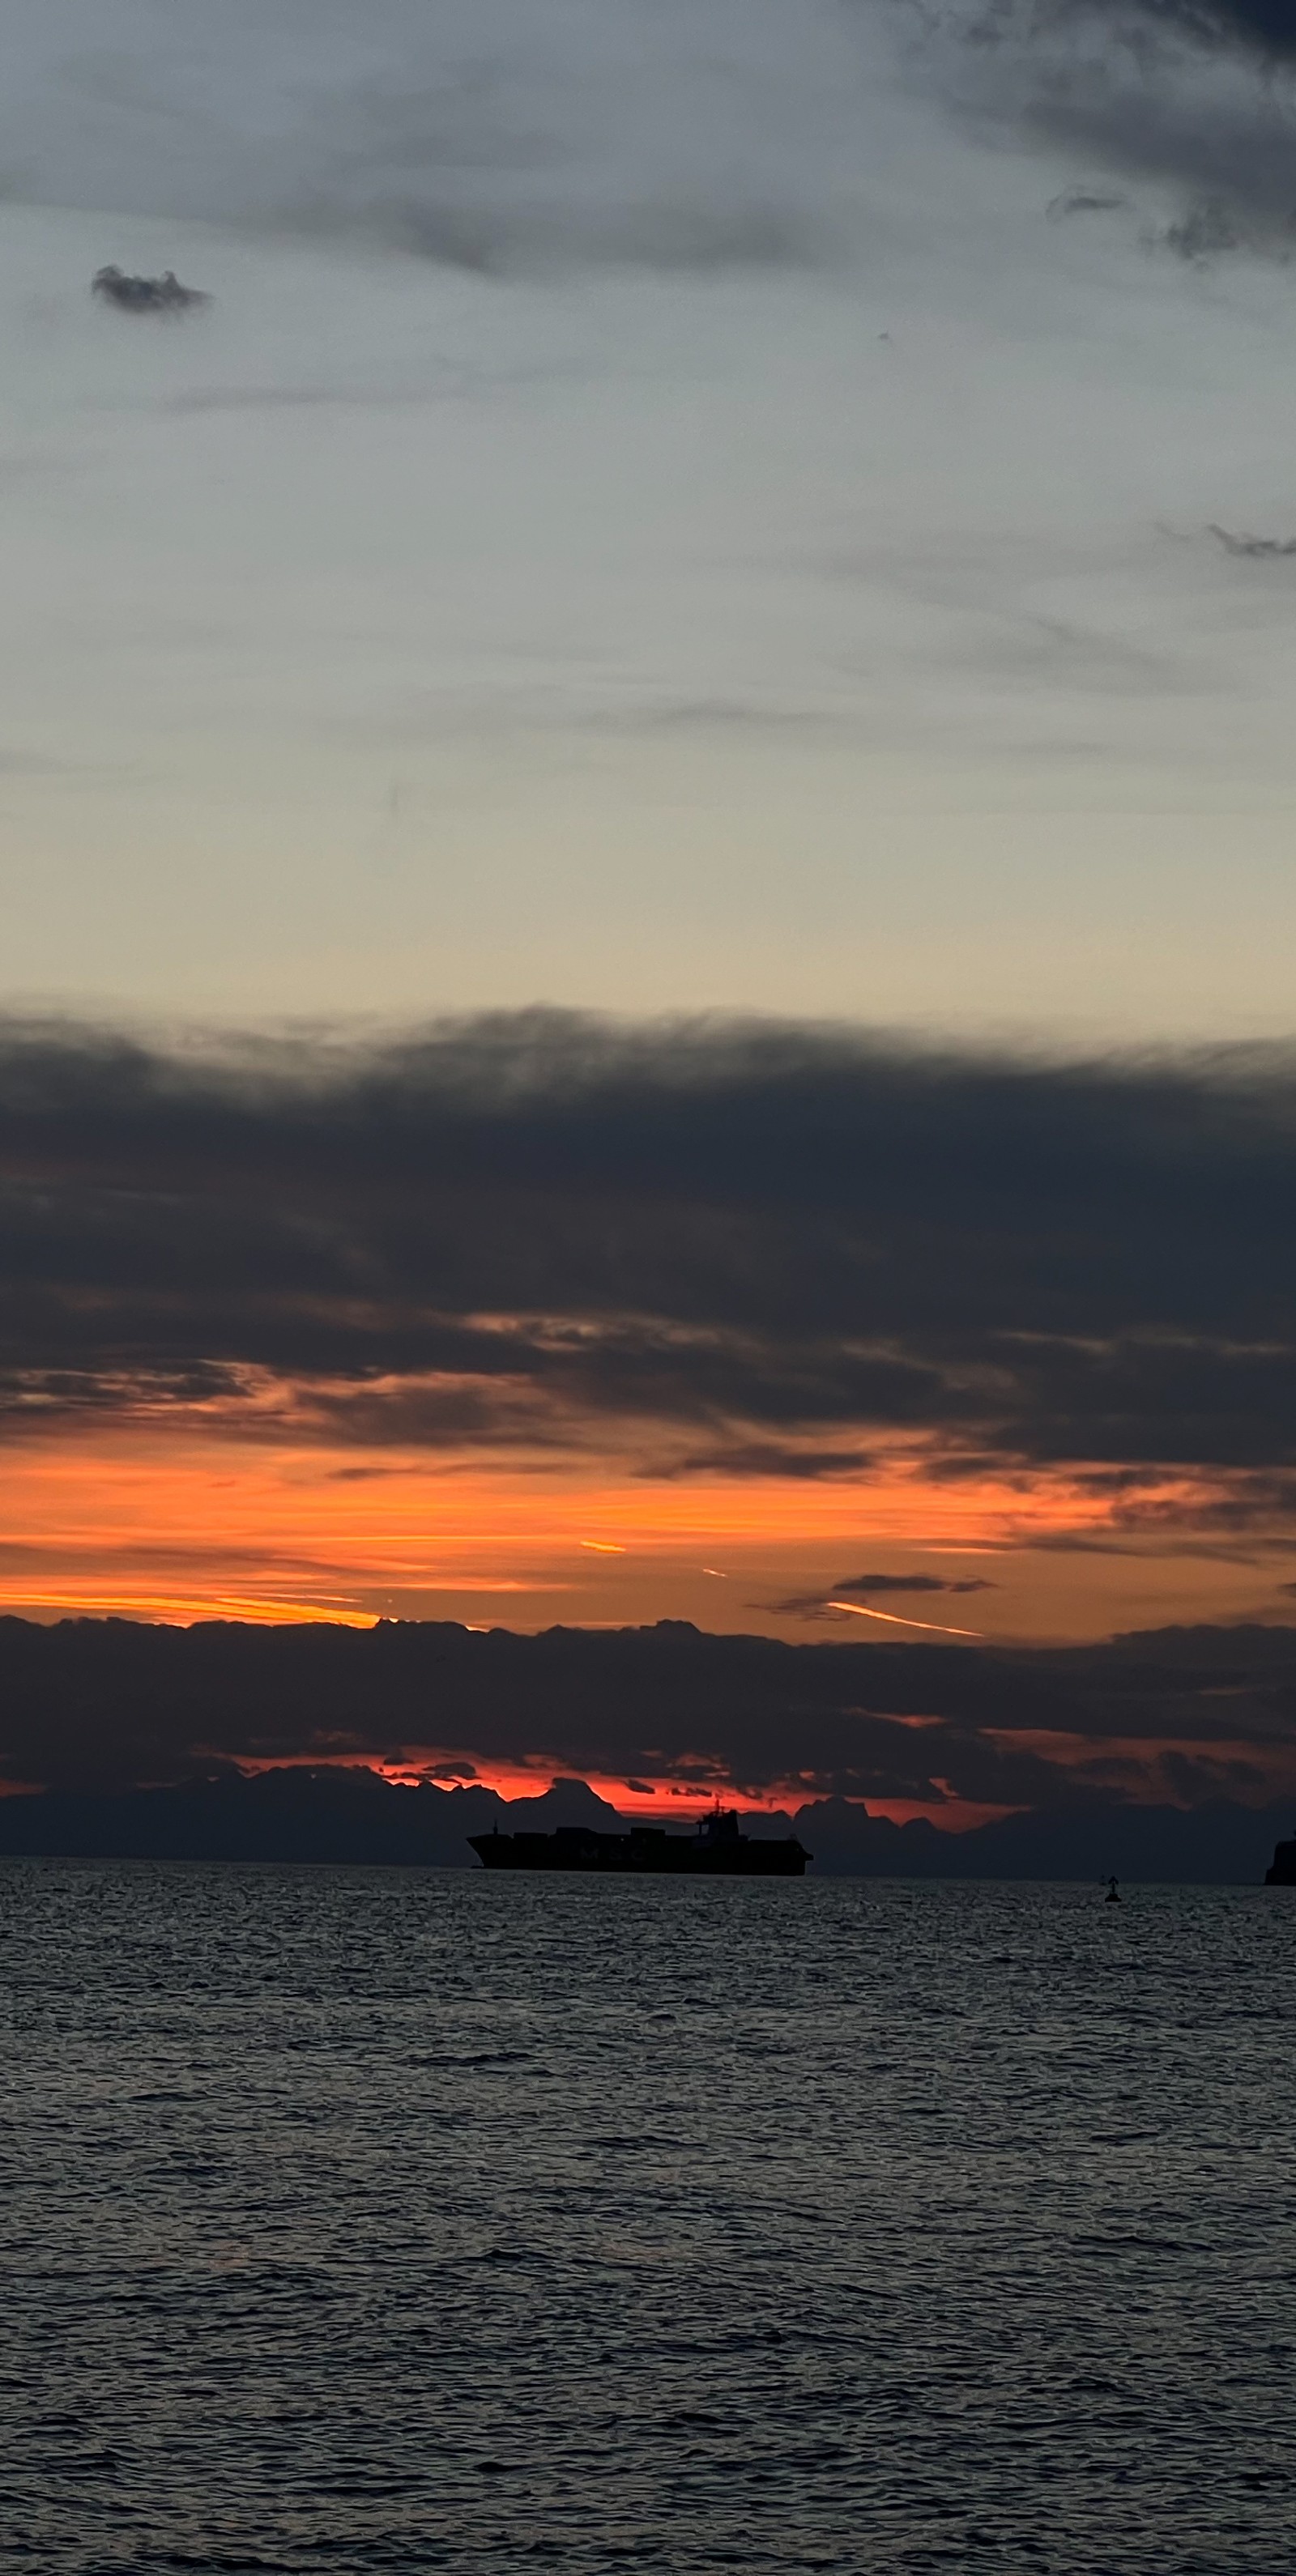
(362, 2222)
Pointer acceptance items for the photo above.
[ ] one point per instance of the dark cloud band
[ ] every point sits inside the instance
(778, 1242)
(1187, 1715)
(1194, 100)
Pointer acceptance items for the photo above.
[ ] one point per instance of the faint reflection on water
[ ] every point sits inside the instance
(387, 2221)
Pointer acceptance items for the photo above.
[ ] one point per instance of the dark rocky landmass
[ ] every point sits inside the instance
(130, 1740)
(354, 1816)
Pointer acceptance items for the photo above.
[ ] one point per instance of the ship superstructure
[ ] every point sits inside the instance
(717, 1850)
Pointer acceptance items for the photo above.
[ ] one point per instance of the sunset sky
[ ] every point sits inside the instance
(646, 790)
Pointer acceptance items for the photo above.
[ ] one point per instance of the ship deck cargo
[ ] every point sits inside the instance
(717, 1850)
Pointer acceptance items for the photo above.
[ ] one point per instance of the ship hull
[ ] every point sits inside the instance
(642, 1855)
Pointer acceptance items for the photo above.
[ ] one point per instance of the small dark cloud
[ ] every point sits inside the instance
(869, 1583)
(1082, 201)
(820, 1605)
(1203, 232)
(1257, 547)
(155, 295)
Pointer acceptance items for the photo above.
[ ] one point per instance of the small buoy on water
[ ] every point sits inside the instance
(1113, 1892)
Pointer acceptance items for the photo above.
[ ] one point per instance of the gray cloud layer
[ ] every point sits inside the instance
(1187, 1715)
(768, 1242)
(689, 135)
(486, 134)
(1197, 99)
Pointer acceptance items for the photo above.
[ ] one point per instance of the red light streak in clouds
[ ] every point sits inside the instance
(671, 1803)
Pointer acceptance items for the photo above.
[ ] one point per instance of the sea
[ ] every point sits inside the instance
(380, 2220)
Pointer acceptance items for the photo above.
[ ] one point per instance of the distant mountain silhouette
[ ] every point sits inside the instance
(92, 1709)
(1220, 1844)
(295, 1814)
(352, 1816)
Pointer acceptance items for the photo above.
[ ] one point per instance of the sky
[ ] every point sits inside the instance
(646, 791)
(671, 506)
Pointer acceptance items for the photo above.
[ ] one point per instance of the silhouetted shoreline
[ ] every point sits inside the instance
(341, 1816)
(261, 1743)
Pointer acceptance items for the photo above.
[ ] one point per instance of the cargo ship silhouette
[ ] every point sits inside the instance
(716, 1850)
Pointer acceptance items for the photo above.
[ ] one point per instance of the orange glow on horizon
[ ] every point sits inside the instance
(188, 1522)
(671, 1803)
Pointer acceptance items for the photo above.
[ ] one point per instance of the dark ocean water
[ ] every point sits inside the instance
(376, 2221)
